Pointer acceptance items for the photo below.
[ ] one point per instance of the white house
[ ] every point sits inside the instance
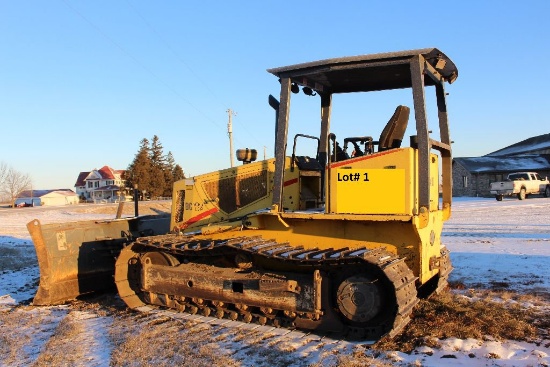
(46, 197)
(104, 184)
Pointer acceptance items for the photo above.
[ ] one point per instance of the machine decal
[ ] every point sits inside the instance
(290, 182)
(61, 241)
(196, 218)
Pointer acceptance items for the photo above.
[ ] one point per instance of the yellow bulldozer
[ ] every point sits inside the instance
(335, 241)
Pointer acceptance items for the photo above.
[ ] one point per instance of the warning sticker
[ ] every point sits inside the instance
(61, 241)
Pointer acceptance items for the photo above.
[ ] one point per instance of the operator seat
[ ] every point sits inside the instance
(393, 133)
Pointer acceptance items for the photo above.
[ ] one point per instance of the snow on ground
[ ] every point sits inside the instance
(493, 245)
(474, 353)
(500, 244)
(94, 336)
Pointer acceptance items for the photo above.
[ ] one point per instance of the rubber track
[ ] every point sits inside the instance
(392, 266)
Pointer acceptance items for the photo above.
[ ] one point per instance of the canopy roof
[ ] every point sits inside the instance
(366, 73)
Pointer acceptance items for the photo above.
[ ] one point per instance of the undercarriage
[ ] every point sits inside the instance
(359, 292)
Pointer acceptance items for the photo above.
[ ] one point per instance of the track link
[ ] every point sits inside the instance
(334, 264)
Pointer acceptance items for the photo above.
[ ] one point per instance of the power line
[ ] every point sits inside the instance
(151, 72)
(180, 59)
(177, 56)
(124, 51)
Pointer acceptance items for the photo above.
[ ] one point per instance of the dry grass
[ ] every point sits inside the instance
(358, 358)
(16, 258)
(162, 344)
(11, 343)
(454, 315)
(58, 351)
(23, 328)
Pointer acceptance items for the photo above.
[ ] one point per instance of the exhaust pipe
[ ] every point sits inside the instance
(136, 198)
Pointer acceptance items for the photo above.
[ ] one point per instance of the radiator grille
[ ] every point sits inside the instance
(235, 192)
(180, 199)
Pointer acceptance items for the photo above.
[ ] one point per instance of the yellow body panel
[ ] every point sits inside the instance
(386, 184)
(223, 195)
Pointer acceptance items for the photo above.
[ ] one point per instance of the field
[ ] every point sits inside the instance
(496, 313)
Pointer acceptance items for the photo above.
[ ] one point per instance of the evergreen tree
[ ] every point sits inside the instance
(177, 173)
(157, 169)
(157, 154)
(170, 162)
(138, 172)
(152, 171)
(168, 174)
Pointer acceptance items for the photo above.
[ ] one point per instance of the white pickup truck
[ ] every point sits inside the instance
(521, 184)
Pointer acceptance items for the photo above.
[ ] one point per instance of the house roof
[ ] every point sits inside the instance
(104, 173)
(107, 172)
(40, 193)
(81, 177)
(524, 147)
(532, 162)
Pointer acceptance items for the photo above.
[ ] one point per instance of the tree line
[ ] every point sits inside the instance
(152, 171)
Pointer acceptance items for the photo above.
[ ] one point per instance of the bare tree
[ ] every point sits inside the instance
(14, 183)
(3, 173)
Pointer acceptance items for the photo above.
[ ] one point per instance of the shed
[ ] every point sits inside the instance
(47, 197)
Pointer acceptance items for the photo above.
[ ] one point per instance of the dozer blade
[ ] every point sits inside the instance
(78, 258)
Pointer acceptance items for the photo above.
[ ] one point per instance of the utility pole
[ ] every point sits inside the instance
(230, 134)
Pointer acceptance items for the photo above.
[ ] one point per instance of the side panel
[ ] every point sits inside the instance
(382, 183)
(222, 195)
(230, 193)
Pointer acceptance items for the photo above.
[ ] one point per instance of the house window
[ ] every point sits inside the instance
(96, 184)
(90, 184)
(465, 181)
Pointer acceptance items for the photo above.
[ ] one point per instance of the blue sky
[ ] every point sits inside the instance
(82, 82)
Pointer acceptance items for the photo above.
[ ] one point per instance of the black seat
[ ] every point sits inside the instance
(393, 133)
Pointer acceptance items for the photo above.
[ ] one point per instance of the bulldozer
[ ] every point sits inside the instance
(333, 241)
